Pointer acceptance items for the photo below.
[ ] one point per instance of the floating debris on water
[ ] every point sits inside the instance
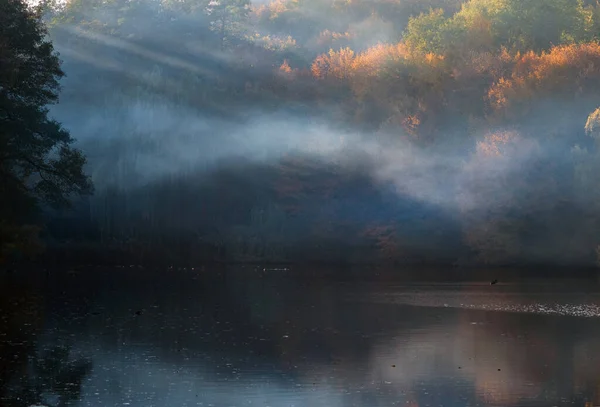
(588, 307)
(577, 310)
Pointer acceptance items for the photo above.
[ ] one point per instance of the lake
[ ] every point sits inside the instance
(249, 336)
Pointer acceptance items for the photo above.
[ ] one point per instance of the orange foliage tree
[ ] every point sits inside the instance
(390, 84)
(334, 64)
(565, 72)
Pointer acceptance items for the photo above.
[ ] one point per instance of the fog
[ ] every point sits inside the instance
(159, 110)
(148, 136)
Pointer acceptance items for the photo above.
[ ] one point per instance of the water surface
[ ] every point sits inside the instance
(254, 337)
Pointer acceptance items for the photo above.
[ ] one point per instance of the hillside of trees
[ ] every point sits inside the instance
(428, 131)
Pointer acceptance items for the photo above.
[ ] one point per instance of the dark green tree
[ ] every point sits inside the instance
(38, 164)
(227, 17)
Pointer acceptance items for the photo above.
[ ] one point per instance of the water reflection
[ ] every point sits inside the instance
(31, 373)
(237, 339)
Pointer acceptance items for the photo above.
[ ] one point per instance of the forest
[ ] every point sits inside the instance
(355, 131)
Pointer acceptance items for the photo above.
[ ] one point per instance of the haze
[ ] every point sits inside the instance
(265, 131)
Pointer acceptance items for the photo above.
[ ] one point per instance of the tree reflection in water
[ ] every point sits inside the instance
(28, 376)
(50, 379)
(230, 338)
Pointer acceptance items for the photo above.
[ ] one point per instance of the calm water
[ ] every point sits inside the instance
(125, 337)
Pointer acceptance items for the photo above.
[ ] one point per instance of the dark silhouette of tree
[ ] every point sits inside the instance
(37, 162)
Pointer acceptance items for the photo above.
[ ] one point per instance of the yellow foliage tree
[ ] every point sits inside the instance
(334, 64)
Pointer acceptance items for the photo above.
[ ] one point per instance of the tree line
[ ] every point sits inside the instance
(506, 90)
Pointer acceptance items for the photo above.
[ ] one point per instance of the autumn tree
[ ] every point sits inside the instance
(428, 32)
(483, 25)
(539, 24)
(334, 64)
(568, 72)
(38, 164)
